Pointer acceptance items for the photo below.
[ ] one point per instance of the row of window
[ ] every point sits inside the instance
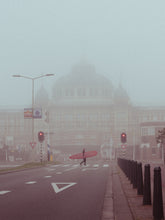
(153, 117)
(81, 124)
(81, 117)
(147, 131)
(82, 92)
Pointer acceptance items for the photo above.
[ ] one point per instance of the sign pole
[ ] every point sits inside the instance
(41, 153)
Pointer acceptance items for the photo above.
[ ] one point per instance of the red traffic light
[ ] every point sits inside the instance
(41, 136)
(123, 137)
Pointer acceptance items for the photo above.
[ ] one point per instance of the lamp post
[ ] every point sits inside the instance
(33, 79)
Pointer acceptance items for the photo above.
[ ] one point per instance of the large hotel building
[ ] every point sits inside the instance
(85, 111)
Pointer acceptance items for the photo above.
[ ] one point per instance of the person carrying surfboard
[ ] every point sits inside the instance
(84, 158)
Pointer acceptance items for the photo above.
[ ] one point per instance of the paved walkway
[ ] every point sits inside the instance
(121, 200)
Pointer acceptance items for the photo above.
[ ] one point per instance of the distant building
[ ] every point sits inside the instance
(86, 110)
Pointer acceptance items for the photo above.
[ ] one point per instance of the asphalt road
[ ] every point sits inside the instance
(57, 192)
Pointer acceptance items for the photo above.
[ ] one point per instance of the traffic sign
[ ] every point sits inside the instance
(33, 144)
(123, 146)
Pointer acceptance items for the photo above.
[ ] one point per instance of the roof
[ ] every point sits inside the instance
(83, 75)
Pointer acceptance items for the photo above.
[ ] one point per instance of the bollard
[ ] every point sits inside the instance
(131, 171)
(157, 195)
(135, 174)
(139, 179)
(147, 186)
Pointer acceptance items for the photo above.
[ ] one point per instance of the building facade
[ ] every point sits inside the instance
(86, 111)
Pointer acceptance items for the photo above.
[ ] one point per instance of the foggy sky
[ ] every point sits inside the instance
(123, 39)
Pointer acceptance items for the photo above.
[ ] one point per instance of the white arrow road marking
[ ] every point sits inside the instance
(57, 189)
(31, 182)
(4, 192)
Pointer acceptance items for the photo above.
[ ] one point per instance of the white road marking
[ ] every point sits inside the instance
(66, 165)
(57, 189)
(72, 168)
(96, 165)
(76, 165)
(51, 169)
(88, 165)
(89, 169)
(4, 192)
(47, 176)
(85, 166)
(106, 165)
(59, 173)
(31, 182)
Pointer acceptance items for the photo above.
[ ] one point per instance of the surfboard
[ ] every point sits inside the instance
(80, 155)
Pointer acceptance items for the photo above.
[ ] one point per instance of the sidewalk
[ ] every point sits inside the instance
(121, 200)
(8, 164)
(135, 202)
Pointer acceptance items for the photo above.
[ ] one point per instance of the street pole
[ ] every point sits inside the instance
(162, 146)
(41, 152)
(32, 110)
(33, 78)
(134, 146)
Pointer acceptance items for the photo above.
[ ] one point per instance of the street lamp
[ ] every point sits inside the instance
(32, 79)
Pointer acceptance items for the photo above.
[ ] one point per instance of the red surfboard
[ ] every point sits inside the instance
(87, 154)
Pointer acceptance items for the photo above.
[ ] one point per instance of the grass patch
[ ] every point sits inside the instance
(28, 166)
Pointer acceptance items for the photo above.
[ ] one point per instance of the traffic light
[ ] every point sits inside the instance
(123, 138)
(41, 136)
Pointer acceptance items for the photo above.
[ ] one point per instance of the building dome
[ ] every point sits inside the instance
(83, 84)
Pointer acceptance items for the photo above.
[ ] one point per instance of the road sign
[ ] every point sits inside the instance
(33, 144)
(123, 146)
(37, 113)
(28, 113)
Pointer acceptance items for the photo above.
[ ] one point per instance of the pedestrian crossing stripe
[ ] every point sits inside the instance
(77, 165)
(96, 165)
(106, 165)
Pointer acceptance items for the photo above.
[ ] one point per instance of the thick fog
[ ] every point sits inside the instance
(123, 39)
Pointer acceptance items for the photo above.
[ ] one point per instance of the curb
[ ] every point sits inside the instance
(108, 206)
